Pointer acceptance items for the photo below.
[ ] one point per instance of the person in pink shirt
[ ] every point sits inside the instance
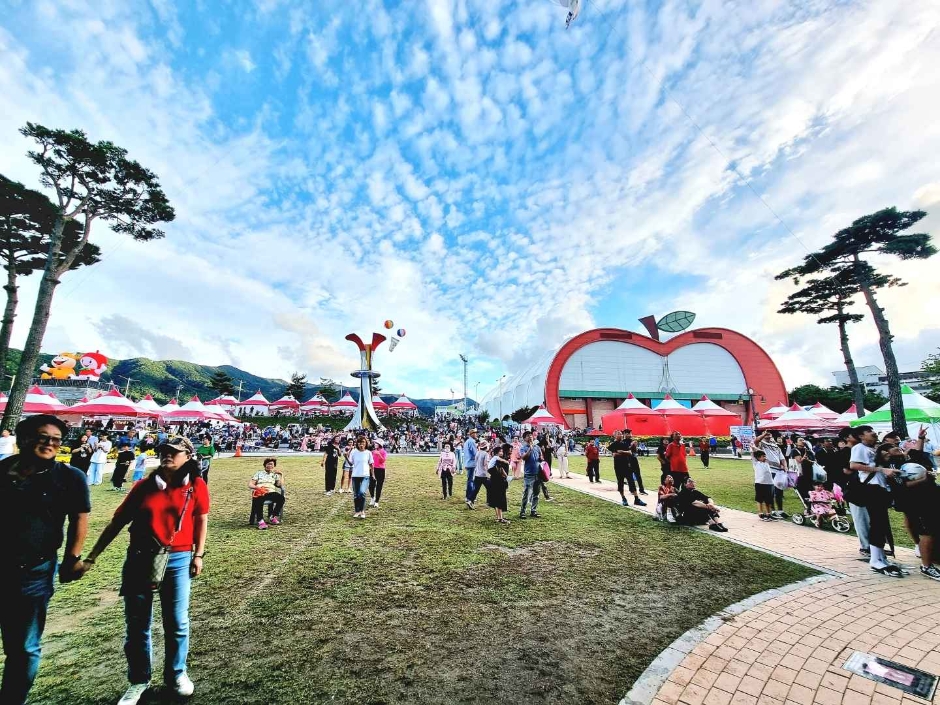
(378, 479)
(515, 462)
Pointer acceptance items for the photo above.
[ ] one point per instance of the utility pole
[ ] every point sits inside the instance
(178, 390)
(463, 358)
(240, 383)
(127, 387)
(476, 393)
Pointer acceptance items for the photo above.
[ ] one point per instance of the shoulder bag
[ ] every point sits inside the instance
(152, 563)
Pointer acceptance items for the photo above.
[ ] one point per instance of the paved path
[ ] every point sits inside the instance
(790, 649)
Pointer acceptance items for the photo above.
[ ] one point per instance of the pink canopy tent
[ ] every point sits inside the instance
(316, 404)
(718, 419)
(850, 414)
(226, 401)
(380, 405)
(171, 405)
(38, 402)
(775, 411)
(402, 405)
(798, 419)
(113, 404)
(681, 418)
(542, 417)
(286, 404)
(345, 405)
(194, 410)
(823, 412)
(636, 416)
(146, 403)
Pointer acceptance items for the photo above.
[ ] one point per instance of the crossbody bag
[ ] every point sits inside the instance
(154, 570)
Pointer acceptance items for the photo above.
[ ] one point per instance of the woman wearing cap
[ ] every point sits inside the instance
(378, 469)
(170, 508)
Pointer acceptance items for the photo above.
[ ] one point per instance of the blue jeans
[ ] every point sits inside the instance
(360, 488)
(459, 454)
(95, 473)
(138, 614)
(478, 482)
(531, 484)
(24, 599)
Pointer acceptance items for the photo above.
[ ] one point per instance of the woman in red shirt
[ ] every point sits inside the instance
(170, 508)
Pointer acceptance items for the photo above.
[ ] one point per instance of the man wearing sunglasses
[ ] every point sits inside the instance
(36, 495)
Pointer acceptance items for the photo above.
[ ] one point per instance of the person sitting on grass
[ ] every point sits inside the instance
(763, 485)
(666, 508)
(266, 486)
(697, 509)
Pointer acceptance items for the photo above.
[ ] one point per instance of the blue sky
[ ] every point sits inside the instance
(470, 169)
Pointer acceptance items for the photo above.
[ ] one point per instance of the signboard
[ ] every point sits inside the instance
(745, 434)
(910, 680)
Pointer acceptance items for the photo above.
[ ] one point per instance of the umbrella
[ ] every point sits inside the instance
(799, 419)
(113, 404)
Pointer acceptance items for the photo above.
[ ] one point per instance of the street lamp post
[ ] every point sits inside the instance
(500, 393)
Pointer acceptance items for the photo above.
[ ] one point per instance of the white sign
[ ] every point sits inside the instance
(745, 434)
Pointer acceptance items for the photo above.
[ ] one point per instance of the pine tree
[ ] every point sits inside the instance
(297, 388)
(222, 383)
(328, 389)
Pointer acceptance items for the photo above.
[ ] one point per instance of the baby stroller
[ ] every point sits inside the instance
(837, 517)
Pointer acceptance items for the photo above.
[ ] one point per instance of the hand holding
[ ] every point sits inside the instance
(195, 566)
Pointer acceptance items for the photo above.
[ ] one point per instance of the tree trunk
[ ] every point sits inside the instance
(898, 422)
(37, 329)
(857, 392)
(9, 313)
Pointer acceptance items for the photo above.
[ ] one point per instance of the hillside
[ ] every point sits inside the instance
(162, 379)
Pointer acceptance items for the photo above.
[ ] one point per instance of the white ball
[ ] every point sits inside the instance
(912, 472)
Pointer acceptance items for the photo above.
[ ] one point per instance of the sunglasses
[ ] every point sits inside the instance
(54, 441)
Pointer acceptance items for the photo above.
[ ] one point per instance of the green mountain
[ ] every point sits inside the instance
(164, 378)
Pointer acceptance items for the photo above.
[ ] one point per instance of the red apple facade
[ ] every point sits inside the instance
(594, 372)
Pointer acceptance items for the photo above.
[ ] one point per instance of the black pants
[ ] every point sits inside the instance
(877, 501)
(376, 484)
(330, 476)
(117, 477)
(447, 484)
(639, 477)
(545, 490)
(705, 458)
(257, 505)
(679, 479)
(478, 482)
(594, 470)
(625, 474)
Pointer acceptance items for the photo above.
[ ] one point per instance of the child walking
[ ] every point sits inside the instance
(140, 467)
(763, 485)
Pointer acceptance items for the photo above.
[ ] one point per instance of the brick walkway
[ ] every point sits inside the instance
(791, 648)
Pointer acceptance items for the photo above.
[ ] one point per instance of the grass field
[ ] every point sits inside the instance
(424, 602)
(730, 483)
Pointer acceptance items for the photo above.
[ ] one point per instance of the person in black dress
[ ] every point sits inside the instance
(81, 454)
(499, 472)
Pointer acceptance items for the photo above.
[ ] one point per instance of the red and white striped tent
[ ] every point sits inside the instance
(403, 405)
(823, 412)
(775, 411)
(285, 405)
(226, 401)
(195, 410)
(38, 402)
(255, 404)
(799, 419)
(146, 403)
(380, 405)
(171, 405)
(850, 414)
(316, 404)
(113, 405)
(543, 417)
(346, 405)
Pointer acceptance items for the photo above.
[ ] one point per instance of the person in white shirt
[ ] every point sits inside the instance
(7, 444)
(362, 472)
(873, 488)
(98, 460)
(763, 485)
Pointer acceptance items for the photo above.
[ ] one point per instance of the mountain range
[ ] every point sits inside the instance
(166, 379)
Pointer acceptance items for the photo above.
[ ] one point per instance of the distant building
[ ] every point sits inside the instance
(875, 380)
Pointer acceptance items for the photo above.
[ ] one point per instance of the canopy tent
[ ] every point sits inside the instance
(38, 402)
(402, 405)
(113, 404)
(285, 404)
(824, 412)
(316, 403)
(718, 419)
(226, 401)
(596, 433)
(346, 405)
(681, 418)
(255, 404)
(775, 411)
(169, 406)
(918, 409)
(542, 417)
(799, 419)
(146, 403)
(380, 404)
(849, 415)
(636, 416)
(195, 410)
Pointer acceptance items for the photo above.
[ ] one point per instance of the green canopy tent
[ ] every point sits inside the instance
(918, 409)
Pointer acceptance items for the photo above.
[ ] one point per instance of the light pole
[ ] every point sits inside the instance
(500, 393)
(476, 393)
(464, 360)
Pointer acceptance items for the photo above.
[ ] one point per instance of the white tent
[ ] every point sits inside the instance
(254, 405)
(149, 404)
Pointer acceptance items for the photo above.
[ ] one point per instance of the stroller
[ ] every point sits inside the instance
(837, 518)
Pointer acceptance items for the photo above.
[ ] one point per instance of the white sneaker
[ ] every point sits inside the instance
(133, 694)
(670, 519)
(917, 550)
(375, 504)
(184, 686)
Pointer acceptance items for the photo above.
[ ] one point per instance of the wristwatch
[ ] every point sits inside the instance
(71, 560)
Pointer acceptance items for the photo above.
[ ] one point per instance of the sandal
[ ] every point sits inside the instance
(891, 571)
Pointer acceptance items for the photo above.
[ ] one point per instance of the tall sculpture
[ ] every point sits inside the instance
(365, 416)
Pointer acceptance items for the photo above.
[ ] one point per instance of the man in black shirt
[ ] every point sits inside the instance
(36, 495)
(330, 461)
(829, 457)
(696, 508)
(624, 461)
